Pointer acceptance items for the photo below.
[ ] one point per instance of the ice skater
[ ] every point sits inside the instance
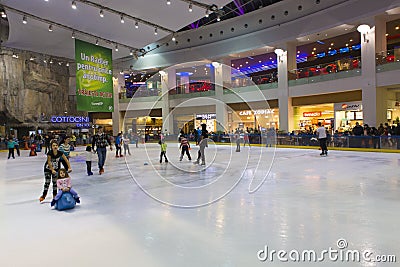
(163, 150)
(126, 141)
(11, 146)
(89, 157)
(201, 154)
(51, 167)
(101, 141)
(64, 185)
(321, 134)
(184, 146)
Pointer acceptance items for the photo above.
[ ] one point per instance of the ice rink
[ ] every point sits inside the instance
(181, 214)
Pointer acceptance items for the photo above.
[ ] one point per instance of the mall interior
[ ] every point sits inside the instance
(237, 69)
(280, 65)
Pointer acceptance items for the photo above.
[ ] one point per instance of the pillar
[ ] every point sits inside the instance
(285, 102)
(168, 81)
(117, 121)
(222, 74)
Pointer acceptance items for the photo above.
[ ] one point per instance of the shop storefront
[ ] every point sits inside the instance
(393, 112)
(106, 123)
(254, 120)
(347, 114)
(150, 127)
(306, 118)
(209, 119)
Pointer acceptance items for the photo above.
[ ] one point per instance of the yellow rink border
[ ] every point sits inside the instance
(383, 150)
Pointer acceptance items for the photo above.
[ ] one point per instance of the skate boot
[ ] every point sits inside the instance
(53, 202)
(42, 198)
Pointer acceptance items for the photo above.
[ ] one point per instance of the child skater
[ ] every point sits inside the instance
(64, 185)
(185, 146)
(163, 151)
(89, 156)
(51, 167)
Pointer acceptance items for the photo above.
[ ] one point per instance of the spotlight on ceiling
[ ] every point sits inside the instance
(122, 19)
(155, 31)
(50, 28)
(190, 7)
(213, 7)
(24, 21)
(73, 5)
(136, 25)
(101, 13)
(168, 2)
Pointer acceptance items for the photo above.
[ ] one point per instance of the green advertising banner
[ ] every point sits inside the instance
(94, 83)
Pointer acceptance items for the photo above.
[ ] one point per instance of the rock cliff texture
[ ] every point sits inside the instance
(29, 87)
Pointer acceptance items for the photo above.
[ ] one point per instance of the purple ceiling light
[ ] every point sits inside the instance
(239, 7)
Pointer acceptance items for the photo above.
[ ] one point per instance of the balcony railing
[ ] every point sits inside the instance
(388, 60)
(339, 69)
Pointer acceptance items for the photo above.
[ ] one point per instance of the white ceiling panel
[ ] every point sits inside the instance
(35, 36)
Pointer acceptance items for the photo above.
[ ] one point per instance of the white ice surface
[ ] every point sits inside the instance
(307, 202)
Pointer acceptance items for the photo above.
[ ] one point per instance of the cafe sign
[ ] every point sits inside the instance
(256, 112)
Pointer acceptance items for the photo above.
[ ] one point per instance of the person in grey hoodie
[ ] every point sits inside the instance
(202, 145)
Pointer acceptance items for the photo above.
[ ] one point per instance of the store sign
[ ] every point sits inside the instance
(357, 106)
(312, 114)
(69, 119)
(208, 116)
(81, 122)
(256, 112)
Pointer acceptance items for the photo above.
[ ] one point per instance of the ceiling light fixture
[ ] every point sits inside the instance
(207, 13)
(24, 20)
(67, 64)
(73, 35)
(101, 13)
(97, 41)
(168, 2)
(131, 52)
(173, 38)
(73, 5)
(218, 18)
(155, 31)
(50, 28)
(3, 14)
(136, 25)
(122, 19)
(116, 48)
(364, 29)
(190, 7)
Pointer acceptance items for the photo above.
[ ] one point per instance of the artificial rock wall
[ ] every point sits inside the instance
(30, 87)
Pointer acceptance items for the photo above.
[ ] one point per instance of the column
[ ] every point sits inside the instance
(285, 103)
(117, 121)
(371, 99)
(168, 81)
(381, 48)
(222, 74)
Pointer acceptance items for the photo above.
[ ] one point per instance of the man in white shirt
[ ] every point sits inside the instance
(321, 133)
